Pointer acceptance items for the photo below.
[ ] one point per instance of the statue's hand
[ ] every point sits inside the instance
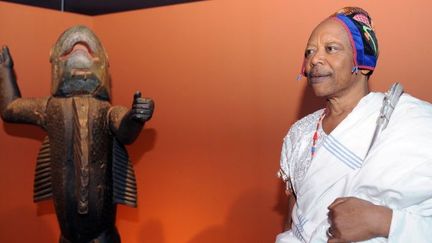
(6, 58)
(142, 108)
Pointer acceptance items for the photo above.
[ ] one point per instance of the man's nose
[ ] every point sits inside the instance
(317, 58)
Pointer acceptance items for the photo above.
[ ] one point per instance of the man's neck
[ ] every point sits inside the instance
(339, 107)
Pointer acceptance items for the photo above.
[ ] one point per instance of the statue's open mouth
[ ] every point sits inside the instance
(79, 47)
(79, 58)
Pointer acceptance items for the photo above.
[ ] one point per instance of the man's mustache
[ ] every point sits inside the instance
(316, 72)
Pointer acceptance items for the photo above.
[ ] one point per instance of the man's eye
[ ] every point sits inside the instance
(309, 52)
(331, 48)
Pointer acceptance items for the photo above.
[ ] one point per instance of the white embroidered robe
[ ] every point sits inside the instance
(397, 172)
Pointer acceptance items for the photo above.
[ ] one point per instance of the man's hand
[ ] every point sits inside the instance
(142, 108)
(5, 58)
(353, 219)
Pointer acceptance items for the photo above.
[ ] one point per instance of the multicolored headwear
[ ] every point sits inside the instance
(364, 43)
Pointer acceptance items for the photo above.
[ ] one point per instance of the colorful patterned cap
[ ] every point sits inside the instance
(363, 40)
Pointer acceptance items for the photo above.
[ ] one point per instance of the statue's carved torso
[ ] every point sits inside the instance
(80, 145)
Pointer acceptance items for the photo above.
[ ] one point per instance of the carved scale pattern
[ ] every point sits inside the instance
(80, 151)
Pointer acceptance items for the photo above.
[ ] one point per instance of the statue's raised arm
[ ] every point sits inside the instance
(13, 108)
(127, 124)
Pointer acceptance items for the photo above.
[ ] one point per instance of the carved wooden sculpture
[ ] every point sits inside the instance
(82, 165)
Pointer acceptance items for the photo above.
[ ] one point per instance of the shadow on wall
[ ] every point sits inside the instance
(247, 214)
(309, 102)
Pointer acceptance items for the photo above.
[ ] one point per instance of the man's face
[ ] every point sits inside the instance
(329, 60)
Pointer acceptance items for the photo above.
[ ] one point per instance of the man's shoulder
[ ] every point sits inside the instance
(412, 115)
(412, 107)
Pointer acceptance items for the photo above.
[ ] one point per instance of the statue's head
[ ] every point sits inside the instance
(79, 65)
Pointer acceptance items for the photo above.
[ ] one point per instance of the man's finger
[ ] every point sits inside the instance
(337, 201)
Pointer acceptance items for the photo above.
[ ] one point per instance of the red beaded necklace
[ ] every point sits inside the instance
(315, 136)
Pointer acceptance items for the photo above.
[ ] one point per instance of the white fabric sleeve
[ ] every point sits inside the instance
(401, 179)
(284, 172)
(409, 227)
(413, 223)
(287, 237)
(320, 233)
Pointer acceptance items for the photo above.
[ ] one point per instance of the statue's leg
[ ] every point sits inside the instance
(108, 236)
(64, 240)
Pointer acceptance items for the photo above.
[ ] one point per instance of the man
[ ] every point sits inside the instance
(347, 188)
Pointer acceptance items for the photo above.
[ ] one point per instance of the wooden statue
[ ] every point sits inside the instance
(82, 164)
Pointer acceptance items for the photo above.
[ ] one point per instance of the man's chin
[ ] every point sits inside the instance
(320, 91)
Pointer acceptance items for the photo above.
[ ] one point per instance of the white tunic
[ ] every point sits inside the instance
(396, 173)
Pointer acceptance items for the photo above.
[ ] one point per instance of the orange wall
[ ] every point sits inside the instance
(222, 74)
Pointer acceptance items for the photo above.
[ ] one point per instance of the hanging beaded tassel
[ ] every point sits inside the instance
(315, 136)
